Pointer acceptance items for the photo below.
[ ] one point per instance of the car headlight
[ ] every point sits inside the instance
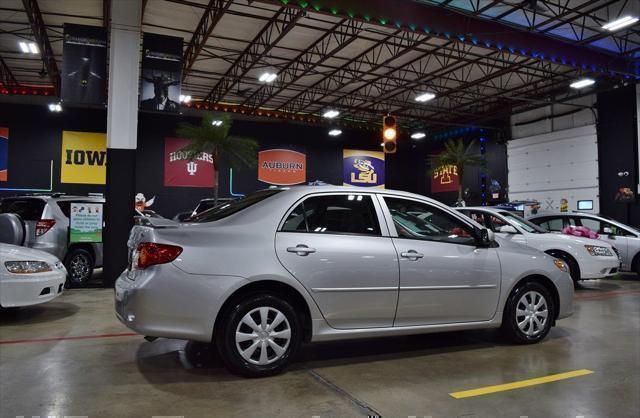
(598, 251)
(561, 265)
(26, 267)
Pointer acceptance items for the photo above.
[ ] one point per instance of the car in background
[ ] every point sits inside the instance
(29, 277)
(46, 227)
(624, 238)
(586, 258)
(259, 275)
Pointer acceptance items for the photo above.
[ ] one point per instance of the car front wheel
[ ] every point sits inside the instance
(259, 336)
(528, 313)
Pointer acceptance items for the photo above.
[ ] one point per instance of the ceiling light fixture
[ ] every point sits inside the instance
(620, 23)
(185, 98)
(216, 122)
(33, 48)
(418, 135)
(24, 47)
(267, 77)
(330, 114)
(425, 97)
(55, 107)
(335, 132)
(582, 83)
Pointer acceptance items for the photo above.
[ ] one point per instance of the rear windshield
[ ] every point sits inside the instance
(222, 211)
(65, 205)
(28, 209)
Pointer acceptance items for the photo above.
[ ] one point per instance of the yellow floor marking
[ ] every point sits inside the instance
(521, 384)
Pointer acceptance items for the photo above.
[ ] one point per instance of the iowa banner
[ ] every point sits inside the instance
(161, 73)
(84, 64)
(363, 168)
(282, 167)
(4, 154)
(180, 171)
(84, 157)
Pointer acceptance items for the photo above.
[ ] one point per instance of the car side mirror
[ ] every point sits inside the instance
(508, 229)
(607, 230)
(485, 237)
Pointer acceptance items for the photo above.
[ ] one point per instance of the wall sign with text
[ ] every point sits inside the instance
(84, 158)
(282, 167)
(363, 168)
(179, 171)
(85, 222)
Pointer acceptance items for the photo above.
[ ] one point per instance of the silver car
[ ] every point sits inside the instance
(46, 228)
(259, 275)
(624, 238)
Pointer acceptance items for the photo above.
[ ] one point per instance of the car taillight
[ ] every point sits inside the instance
(44, 225)
(150, 253)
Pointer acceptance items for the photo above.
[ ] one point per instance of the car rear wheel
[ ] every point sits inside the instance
(79, 265)
(528, 313)
(259, 336)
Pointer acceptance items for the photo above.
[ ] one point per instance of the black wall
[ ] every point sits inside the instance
(617, 151)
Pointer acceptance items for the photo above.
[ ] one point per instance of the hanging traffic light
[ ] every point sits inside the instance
(389, 134)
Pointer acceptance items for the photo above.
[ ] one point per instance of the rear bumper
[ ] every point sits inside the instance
(25, 290)
(164, 301)
(599, 267)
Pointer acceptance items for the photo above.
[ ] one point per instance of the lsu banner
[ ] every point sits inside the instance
(84, 158)
(4, 154)
(161, 73)
(84, 64)
(282, 167)
(445, 179)
(363, 168)
(179, 171)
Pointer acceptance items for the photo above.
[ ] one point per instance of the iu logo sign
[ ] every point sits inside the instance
(84, 157)
(282, 167)
(363, 168)
(179, 171)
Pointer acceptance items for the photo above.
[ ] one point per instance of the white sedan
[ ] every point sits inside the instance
(29, 277)
(586, 258)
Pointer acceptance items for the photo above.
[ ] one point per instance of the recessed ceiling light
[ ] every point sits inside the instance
(330, 114)
(335, 132)
(582, 83)
(425, 97)
(267, 77)
(620, 23)
(418, 135)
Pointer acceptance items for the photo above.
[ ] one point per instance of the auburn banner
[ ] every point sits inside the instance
(4, 154)
(84, 62)
(84, 157)
(179, 171)
(282, 167)
(363, 168)
(161, 73)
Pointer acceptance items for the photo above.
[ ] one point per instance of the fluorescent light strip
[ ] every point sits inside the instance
(425, 97)
(418, 135)
(620, 23)
(33, 48)
(330, 114)
(335, 132)
(24, 47)
(585, 82)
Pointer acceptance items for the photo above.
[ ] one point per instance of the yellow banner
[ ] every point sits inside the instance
(84, 158)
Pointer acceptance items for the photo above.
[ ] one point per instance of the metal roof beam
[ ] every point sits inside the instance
(40, 34)
(6, 76)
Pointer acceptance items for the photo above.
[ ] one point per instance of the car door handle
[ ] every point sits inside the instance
(412, 255)
(301, 249)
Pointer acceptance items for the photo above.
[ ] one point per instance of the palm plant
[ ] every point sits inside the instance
(458, 155)
(212, 136)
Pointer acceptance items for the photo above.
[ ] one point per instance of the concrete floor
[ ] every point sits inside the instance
(125, 376)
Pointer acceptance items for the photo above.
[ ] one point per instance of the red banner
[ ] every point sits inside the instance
(180, 171)
(282, 167)
(445, 179)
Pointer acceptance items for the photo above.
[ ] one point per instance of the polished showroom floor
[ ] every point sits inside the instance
(71, 357)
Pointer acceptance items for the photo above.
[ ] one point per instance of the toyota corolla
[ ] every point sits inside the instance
(260, 275)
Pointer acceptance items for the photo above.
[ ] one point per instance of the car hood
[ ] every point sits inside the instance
(17, 253)
(568, 239)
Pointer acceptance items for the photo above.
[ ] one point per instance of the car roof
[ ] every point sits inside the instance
(482, 208)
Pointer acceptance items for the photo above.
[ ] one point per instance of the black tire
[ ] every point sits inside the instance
(511, 317)
(79, 264)
(572, 265)
(229, 350)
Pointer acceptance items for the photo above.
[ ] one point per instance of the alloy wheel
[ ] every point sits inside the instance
(263, 335)
(80, 267)
(532, 313)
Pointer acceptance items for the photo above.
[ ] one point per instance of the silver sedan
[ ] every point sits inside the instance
(260, 275)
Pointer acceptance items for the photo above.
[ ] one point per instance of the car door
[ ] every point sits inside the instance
(614, 235)
(338, 246)
(444, 276)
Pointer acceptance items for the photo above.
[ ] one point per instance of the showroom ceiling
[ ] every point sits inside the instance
(364, 59)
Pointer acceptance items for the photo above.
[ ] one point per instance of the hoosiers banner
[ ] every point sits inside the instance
(84, 157)
(363, 168)
(161, 73)
(4, 154)
(282, 167)
(180, 171)
(84, 64)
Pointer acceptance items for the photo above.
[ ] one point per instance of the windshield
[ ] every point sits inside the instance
(526, 225)
(227, 209)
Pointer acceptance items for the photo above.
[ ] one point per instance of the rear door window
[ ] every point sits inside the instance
(28, 209)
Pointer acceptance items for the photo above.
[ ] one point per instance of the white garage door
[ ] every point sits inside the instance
(555, 166)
